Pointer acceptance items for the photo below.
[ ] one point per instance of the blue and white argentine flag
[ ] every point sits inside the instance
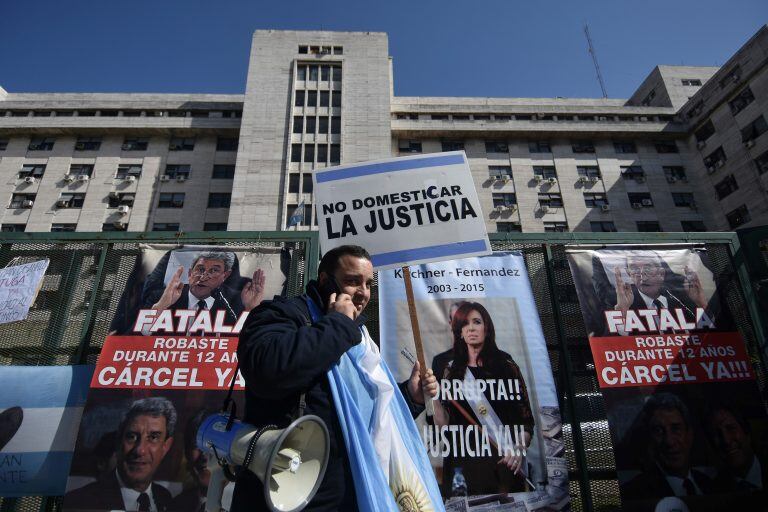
(40, 411)
(378, 427)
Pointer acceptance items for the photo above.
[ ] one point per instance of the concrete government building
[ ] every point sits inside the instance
(687, 152)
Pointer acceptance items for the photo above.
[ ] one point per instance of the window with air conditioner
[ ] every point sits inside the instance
(588, 171)
(595, 200)
(171, 200)
(178, 171)
(504, 200)
(127, 170)
(738, 216)
(32, 171)
(81, 170)
(22, 201)
(88, 144)
(181, 144)
(551, 200)
(544, 172)
(741, 101)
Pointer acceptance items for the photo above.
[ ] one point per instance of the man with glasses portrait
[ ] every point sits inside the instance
(206, 289)
(651, 288)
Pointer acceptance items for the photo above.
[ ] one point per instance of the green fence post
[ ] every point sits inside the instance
(578, 439)
(81, 355)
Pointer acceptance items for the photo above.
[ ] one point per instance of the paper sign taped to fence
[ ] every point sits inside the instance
(18, 289)
(404, 211)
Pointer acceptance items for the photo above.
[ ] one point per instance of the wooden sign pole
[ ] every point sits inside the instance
(416, 334)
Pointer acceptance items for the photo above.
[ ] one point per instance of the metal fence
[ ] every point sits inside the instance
(88, 273)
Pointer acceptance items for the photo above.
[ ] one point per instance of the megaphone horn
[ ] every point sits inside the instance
(290, 462)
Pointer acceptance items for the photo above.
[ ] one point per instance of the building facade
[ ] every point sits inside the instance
(687, 152)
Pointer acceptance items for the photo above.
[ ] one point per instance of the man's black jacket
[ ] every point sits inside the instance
(282, 354)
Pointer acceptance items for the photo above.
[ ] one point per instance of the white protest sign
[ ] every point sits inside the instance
(18, 288)
(404, 211)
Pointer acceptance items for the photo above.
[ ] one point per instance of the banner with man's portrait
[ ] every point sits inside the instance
(496, 435)
(684, 411)
(167, 364)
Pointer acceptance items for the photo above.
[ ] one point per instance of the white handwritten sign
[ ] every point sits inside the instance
(18, 289)
(405, 211)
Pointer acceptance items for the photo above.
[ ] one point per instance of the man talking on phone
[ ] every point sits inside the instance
(315, 350)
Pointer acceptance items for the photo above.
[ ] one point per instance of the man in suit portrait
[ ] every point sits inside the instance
(670, 436)
(650, 288)
(206, 288)
(144, 438)
(730, 434)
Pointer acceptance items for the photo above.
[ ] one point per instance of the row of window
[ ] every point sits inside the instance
(540, 146)
(321, 50)
(673, 173)
(174, 171)
(312, 125)
(129, 144)
(595, 199)
(113, 226)
(413, 116)
(76, 200)
(318, 73)
(317, 99)
(316, 153)
(217, 114)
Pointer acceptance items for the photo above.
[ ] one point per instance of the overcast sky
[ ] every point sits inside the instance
(496, 48)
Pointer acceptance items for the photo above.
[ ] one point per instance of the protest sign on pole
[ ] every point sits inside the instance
(167, 364)
(404, 211)
(496, 428)
(40, 410)
(19, 285)
(684, 411)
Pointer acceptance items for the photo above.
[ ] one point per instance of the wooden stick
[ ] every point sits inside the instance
(416, 334)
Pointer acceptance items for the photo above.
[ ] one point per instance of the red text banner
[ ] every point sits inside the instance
(158, 362)
(629, 361)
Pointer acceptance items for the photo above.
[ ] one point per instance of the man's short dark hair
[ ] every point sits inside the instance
(226, 257)
(667, 402)
(736, 412)
(155, 406)
(330, 261)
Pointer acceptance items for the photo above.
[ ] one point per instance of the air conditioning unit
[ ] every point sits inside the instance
(647, 202)
(544, 208)
(27, 203)
(69, 177)
(701, 144)
(511, 207)
(499, 208)
(165, 177)
(115, 194)
(750, 143)
(671, 179)
(126, 147)
(83, 177)
(637, 206)
(506, 179)
(719, 164)
(582, 179)
(123, 210)
(640, 179)
(594, 179)
(181, 179)
(120, 224)
(29, 179)
(34, 147)
(711, 169)
(552, 181)
(605, 207)
(62, 203)
(537, 178)
(80, 146)
(174, 147)
(130, 179)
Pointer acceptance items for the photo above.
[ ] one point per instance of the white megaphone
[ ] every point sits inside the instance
(290, 462)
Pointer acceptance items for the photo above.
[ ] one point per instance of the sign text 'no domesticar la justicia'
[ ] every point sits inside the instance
(405, 211)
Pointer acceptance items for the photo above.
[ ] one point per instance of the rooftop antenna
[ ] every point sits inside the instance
(594, 60)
